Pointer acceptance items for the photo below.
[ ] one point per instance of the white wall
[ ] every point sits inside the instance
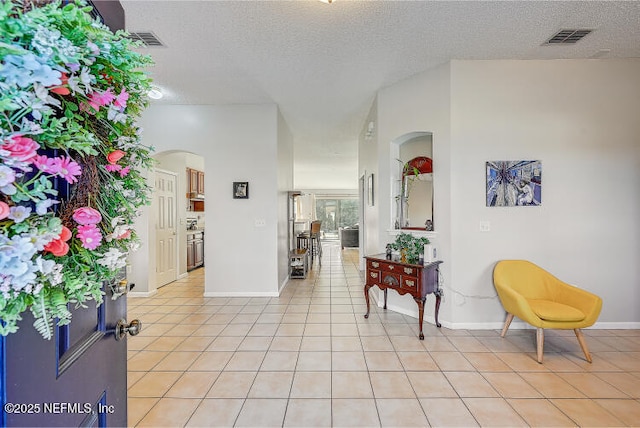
(580, 118)
(285, 183)
(239, 143)
(368, 163)
(418, 104)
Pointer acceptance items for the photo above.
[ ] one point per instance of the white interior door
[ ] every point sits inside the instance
(166, 229)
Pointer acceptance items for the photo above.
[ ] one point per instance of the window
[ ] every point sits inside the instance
(336, 212)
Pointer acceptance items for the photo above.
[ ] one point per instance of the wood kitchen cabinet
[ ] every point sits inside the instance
(195, 182)
(200, 184)
(198, 251)
(195, 190)
(195, 249)
(190, 255)
(192, 181)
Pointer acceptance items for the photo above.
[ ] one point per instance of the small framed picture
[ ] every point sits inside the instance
(240, 190)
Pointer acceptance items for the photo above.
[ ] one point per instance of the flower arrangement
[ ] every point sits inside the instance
(70, 159)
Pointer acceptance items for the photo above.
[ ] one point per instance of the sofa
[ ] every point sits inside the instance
(349, 237)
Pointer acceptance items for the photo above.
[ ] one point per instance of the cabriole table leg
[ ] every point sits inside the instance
(420, 303)
(366, 297)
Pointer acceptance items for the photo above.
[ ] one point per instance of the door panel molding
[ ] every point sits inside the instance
(166, 232)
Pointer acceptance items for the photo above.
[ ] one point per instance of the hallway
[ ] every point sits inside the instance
(309, 358)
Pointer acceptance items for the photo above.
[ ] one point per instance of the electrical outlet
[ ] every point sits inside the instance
(260, 222)
(485, 226)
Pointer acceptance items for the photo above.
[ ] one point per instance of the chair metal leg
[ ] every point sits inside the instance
(583, 344)
(540, 343)
(507, 323)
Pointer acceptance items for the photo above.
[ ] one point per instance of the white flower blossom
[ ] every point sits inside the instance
(129, 194)
(113, 259)
(43, 94)
(114, 114)
(29, 127)
(134, 246)
(116, 221)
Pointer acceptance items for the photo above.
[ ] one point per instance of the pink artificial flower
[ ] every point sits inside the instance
(125, 171)
(84, 107)
(4, 210)
(45, 164)
(115, 156)
(62, 89)
(21, 148)
(68, 169)
(98, 99)
(86, 215)
(125, 235)
(104, 98)
(121, 100)
(90, 236)
(59, 247)
(112, 168)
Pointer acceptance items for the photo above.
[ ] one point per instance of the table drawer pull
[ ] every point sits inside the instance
(390, 267)
(409, 283)
(390, 280)
(373, 274)
(375, 264)
(408, 271)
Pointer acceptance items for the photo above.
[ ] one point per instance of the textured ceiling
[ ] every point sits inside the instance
(323, 63)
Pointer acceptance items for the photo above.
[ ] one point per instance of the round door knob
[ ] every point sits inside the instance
(122, 328)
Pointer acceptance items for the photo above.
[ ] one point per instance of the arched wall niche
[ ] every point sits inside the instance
(412, 193)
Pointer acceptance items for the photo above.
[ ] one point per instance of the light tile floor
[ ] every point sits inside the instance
(309, 359)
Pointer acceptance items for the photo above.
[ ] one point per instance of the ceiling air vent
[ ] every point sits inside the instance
(147, 38)
(567, 37)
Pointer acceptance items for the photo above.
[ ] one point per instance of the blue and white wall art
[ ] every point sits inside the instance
(514, 183)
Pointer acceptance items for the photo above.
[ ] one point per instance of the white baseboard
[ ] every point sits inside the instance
(241, 294)
(430, 319)
(283, 285)
(497, 325)
(142, 293)
(183, 275)
(520, 325)
(616, 325)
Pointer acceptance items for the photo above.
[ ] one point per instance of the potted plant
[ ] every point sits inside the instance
(410, 247)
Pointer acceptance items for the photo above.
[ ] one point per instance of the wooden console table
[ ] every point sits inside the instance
(405, 278)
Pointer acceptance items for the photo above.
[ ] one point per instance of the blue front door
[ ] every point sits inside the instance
(78, 378)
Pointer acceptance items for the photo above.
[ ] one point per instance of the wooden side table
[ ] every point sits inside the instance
(405, 278)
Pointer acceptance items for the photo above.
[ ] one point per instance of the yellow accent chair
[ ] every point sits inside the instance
(535, 296)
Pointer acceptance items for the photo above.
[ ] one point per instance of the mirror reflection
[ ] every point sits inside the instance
(415, 199)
